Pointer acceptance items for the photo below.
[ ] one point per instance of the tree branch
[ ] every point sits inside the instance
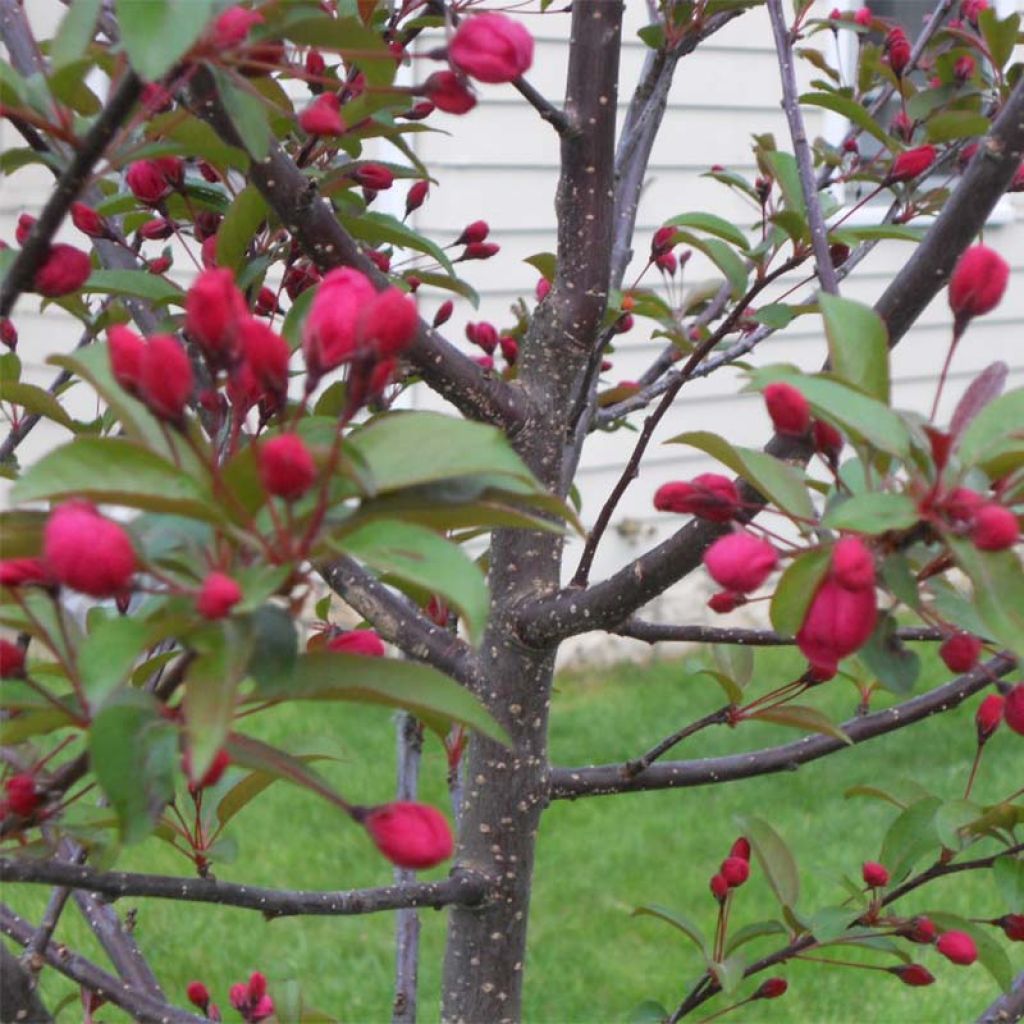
(141, 1007)
(70, 183)
(464, 887)
(1008, 1008)
(802, 149)
(19, 1000)
(547, 110)
(657, 632)
(401, 622)
(604, 780)
(312, 221)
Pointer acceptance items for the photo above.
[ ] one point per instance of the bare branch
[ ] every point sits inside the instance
(141, 1007)
(802, 148)
(547, 110)
(311, 220)
(657, 632)
(19, 1000)
(70, 183)
(604, 780)
(1009, 1007)
(464, 887)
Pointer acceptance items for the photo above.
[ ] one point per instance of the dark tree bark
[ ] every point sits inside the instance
(19, 1001)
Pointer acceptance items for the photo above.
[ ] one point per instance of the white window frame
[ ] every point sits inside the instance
(841, 53)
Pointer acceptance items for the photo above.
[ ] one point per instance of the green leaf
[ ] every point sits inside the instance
(108, 654)
(678, 921)
(910, 837)
(877, 232)
(1008, 874)
(133, 752)
(872, 513)
(35, 400)
(653, 36)
(382, 228)
(778, 481)
(858, 345)
(785, 172)
(156, 33)
(852, 111)
(138, 283)
(775, 859)
(275, 646)
(32, 723)
(729, 973)
(409, 448)
(423, 558)
(211, 686)
(829, 923)
(723, 256)
(956, 124)
(992, 428)
(998, 584)
(248, 114)
(545, 263)
(75, 32)
(893, 664)
(240, 224)
(451, 284)
(711, 224)
(801, 716)
(951, 818)
(796, 589)
(735, 661)
(853, 412)
(348, 36)
(775, 315)
(1001, 36)
(750, 932)
(900, 793)
(118, 472)
(427, 693)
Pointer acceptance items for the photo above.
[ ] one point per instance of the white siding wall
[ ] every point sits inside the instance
(500, 164)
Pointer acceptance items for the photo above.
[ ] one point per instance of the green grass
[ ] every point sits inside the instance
(588, 960)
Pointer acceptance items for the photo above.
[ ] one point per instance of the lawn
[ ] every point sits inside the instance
(589, 960)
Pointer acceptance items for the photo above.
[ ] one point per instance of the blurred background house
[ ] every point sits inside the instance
(500, 164)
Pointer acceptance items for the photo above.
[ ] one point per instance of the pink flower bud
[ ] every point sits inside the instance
(323, 116)
(509, 349)
(874, 874)
(157, 230)
(542, 289)
(414, 198)
(740, 561)
(232, 27)
(662, 241)
(914, 975)
(167, 379)
(257, 986)
(484, 335)
(480, 251)
(827, 440)
(448, 93)
(212, 775)
(771, 988)
(972, 9)
(912, 163)
(960, 652)
(740, 848)
(86, 552)
(12, 660)
(214, 310)
(862, 16)
(315, 64)
(198, 994)
(1013, 709)
(958, 948)
(419, 111)
(24, 572)
(64, 270)
(719, 887)
(331, 333)
(988, 716)
(411, 835)
(994, 529)
(708, 496)
(726, 601)
(126, 350)
(491, 48)
(374, 176)
(88, 221)
(444, 313)
(389, 322)
(1013, 926)
(853, 564)
(788, 409)
(286, 467)
(364, 642)
(217, 596)
(978, 282)
(837, 623)
(148, 182)
(735, 870)
(897, 47)
(267, 354)
(24, 228)
(8, 334)
(22, 796)
(922, 931)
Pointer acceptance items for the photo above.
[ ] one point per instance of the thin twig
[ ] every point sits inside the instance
(547, 110)
(657, 632)
(640, 764)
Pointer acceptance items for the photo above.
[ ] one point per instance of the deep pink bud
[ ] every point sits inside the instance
(389, 322)
(719, 887)
(88, 221)
(418, 192)
(740, 848)
(444, 313)
(322, 116)
(484, 335)
(157, 230)
(972, 9)
(491, 48)
(8, 334)
(958, 948)
(315, 64)
(994, 529)
(911, 163)
(708, 496)
(12, 659)
(266, 302)
(267, 354)
(988, 716)
(726, 601)
(874, 874)
(862, 16)
(364, 642)
(897, 47)
(22, 796)
(1013, 709)
(964, 68)
(232, 27)
(447, 92)
(286, 467)
(663, 241)
(64, 270)
(771, 988)
(374, 176)
(217, 596)
(147, 182)
(127, 350)
(667, 263)
(788, 409)
(24, 572)
(24, 228)
(411, 835)
(480, 251)
(542, 289)
(838, 622)
(238, 994)
(922, 931)
(212, 775)
(509, 349)
(214, 310)
(331, 333)
(86, 552)
(978, 282)
(960, 652)
(853, 564)
(257, 986)
(198, 994)
(740, 561)
(477, 231)
(914, 975)
(827, 440)
(167, 379)
(735, 870)
(1013, 926)
(418, 111)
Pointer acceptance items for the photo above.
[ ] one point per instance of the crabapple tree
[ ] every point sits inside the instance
(250, 320)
